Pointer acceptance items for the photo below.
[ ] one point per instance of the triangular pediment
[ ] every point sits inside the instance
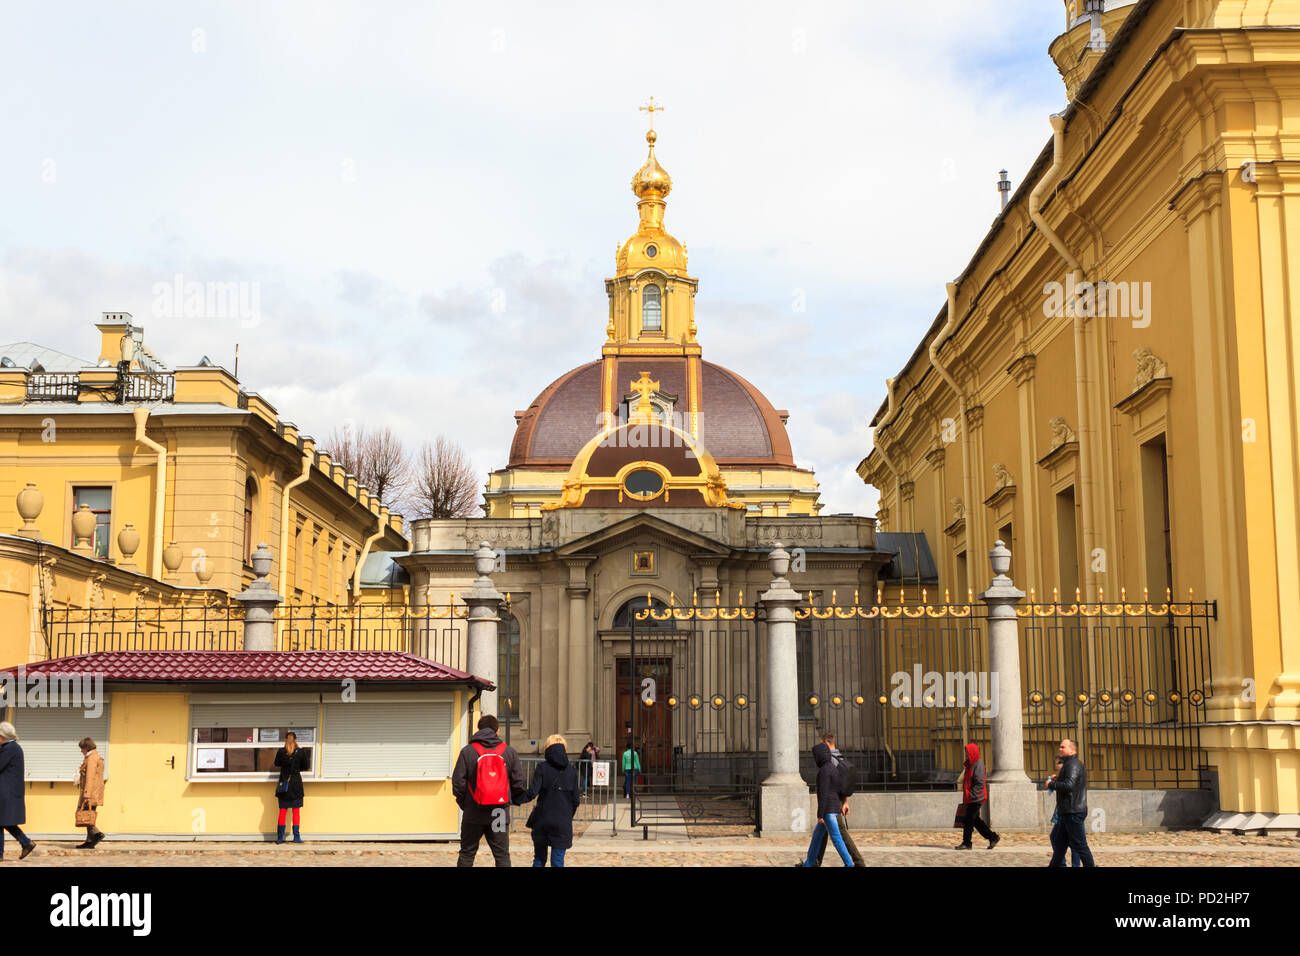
(638, 524)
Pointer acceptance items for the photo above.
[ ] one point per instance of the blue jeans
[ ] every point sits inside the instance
(828, 826)
(1069, 832)
(17, 834)
(539, 855)
(627, 782)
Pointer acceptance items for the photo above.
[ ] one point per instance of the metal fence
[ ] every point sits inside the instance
(435, 632)
(597, 812)
(1128, 681)
(72, 631)
(903, 688)
(134, 385)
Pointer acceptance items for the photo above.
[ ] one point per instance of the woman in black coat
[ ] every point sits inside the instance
(13, 806)
(292, 761)
(555, 786)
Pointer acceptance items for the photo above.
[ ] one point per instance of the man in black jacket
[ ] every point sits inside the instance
(1070, 784)
(837, 758)
(476, 820)
(830, 808)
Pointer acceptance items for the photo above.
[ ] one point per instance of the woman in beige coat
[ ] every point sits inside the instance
(90, 781)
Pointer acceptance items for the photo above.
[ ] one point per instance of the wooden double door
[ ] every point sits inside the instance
(642, 713)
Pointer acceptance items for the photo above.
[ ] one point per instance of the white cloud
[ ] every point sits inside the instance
(429, 197)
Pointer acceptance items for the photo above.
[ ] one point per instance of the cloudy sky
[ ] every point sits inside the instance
(425, 198)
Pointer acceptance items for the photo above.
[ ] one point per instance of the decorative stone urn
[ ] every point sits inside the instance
(171, 558)
(30, 502)
(83, 531)
(128, 542)
(260, 601)
(202, 571)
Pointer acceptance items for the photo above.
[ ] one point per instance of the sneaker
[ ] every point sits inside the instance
(962, 846)
(993, 841)
(27, 851)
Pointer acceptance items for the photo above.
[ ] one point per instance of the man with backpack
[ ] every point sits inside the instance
(845, 784)
(488, 778)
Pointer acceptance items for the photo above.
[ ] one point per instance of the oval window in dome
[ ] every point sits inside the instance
(652, 250)
(643, 483)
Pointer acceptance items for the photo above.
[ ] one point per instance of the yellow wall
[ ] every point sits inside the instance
(1152, 191)
(145, 795)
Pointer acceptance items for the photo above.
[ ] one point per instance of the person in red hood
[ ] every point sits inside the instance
(974, 791)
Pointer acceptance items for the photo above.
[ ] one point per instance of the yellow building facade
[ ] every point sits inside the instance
(1110, 388)
(182, 473)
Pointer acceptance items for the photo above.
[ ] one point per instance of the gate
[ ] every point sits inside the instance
(697, 703)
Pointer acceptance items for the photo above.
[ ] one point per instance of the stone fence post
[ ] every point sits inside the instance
(260, 602)
(784, 797)
(1010, 789)
(484, 602)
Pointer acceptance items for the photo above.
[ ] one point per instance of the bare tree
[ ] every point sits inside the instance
(444, 485)
(377, 457)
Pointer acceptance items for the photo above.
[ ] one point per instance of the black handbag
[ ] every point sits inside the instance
(282, 788)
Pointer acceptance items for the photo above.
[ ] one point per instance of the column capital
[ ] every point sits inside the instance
(1023, 368)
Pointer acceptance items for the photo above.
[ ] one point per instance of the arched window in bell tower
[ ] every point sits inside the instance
(651, 309)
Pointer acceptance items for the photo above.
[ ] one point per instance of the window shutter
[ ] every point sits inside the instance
(387, 740)
(49, 738)
(253, 715)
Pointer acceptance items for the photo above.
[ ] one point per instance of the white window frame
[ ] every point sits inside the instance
(192, 774)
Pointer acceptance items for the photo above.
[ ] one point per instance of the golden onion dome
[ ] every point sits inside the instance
(651, 180)
(651, 247)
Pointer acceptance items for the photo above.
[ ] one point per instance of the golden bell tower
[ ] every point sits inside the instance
(651, 296)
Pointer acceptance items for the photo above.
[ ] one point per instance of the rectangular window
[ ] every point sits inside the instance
(242, 739)
(961, 594)
(100, 502)
(1067, 544)
(508, 668)
(49, 737)
(1155, 517)
(388, 741)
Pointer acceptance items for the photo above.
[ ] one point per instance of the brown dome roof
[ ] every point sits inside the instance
(738, 425)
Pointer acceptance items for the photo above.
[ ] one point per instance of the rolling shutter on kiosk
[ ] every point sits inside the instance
(49, 738)
(376, 741)
(253, 715)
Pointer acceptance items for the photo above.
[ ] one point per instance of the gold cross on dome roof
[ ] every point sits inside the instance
(644, 387)
(651, 108)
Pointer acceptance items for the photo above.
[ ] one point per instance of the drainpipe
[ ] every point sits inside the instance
(365, 551)
(141, 415)
(308, 456)
(1080, 358)
(884, 456)
(967, 504)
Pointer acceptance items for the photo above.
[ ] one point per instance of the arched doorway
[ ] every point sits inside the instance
(644, 684)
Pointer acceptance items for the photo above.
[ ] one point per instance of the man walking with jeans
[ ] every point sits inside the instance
(830, 807)
(1070, 784)
(488, 778)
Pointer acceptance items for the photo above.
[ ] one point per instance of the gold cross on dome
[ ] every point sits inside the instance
(645, 388)
(651, 108)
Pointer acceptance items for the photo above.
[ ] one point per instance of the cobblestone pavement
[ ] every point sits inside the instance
(879, 848)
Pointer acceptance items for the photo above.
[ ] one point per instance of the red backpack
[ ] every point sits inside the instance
(491, 782)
